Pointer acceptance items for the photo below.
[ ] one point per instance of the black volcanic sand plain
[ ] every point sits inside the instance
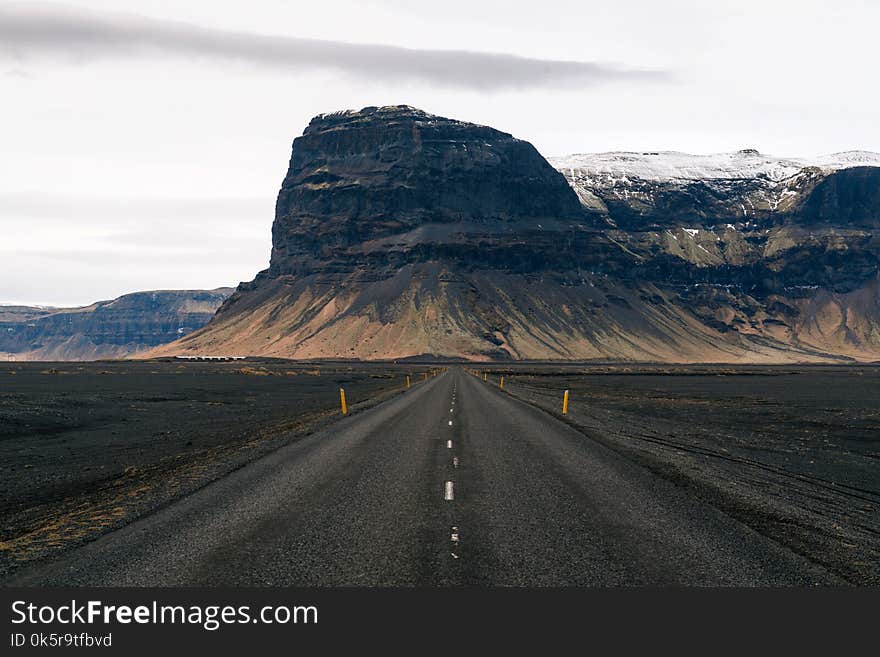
(88, 447)
(794, 452)
(791, 451)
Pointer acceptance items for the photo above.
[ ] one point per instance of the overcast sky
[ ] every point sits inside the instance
(142, 143)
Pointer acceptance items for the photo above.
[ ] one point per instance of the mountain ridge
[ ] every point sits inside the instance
(399, 233)
(113, 328)
(744, 163)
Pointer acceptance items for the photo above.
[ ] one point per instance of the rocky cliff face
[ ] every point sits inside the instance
(398, 233)
(752, 245)
(106, 329)
(383, 187)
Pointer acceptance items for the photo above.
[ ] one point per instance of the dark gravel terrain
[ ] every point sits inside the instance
(87, 447)
(793, 452)
(451, 484)
(239, 473)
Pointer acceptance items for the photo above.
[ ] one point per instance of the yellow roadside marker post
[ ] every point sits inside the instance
(426, 376)
(565, 403)
(407, 381)
(501, 384)
(485, 377)
(342, 400)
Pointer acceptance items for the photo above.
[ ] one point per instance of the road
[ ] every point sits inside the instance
(451, 483)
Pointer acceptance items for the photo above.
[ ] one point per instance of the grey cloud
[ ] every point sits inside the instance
(37, 29)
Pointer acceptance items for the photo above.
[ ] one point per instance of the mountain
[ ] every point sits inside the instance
(639, 191)
(106, 329)
(398, 233)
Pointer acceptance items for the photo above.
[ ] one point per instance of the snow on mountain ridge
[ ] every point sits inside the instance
(674, 165)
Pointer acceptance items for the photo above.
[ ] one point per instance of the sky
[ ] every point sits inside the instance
(143, 143)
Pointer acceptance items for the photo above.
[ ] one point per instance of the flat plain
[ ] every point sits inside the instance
(245, 473)
(792, 451)
(87, 447)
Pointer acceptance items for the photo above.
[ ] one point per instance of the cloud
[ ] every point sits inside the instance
(38, 30)
(17, 73)
(65, 207)
(71, 250)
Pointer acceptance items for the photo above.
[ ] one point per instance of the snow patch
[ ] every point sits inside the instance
(622, 167)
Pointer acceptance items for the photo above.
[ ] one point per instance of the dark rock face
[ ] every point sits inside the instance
(398, 233)
(847, 198)
(815, 228)
(107, 329)
(357, 179)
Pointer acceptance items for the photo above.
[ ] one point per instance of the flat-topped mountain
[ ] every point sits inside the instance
(366, 188)
(107, 329)
(398, 233)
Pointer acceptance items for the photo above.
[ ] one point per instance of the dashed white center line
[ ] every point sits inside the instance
(454, 461)
(450, 423)
(453, 538)
(449, 494)
(448, 444)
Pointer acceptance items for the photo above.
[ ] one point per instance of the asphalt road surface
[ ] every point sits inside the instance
(452, 483)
